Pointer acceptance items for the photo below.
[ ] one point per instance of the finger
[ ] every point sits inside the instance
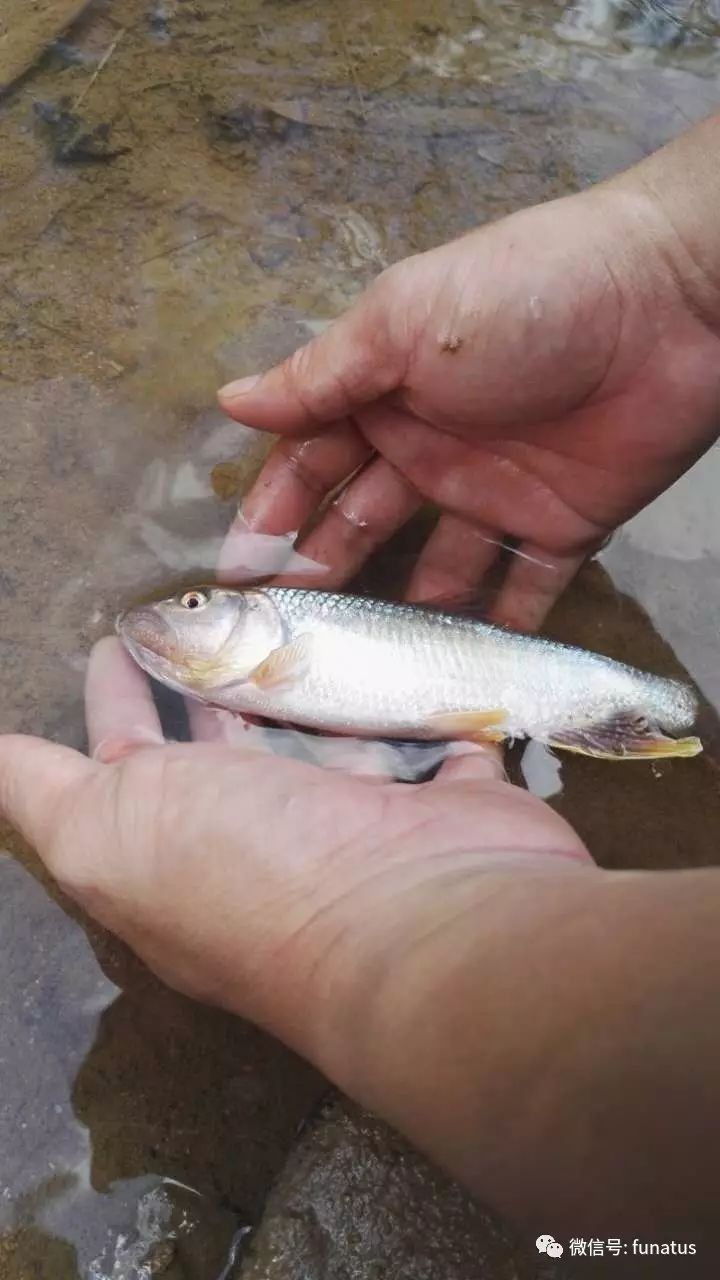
(36, 779)
(246, 555)
(210, 724)
(534, 581)
(470, 762)
(454, 560)
(361, 356)
(298, 475)
(215, 724)
(119, 709)
(370, 510)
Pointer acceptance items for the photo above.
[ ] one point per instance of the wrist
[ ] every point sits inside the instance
(429, 1016)
(672, 198)
(358, 979)
(539, 1029)
(440, 1035)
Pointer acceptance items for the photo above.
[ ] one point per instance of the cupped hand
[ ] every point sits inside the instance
(446, 953)
(272, 887)
(540, 379)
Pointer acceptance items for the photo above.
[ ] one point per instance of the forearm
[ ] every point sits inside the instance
(555, 1045)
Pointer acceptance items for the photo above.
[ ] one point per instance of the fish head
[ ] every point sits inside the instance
(202, 639)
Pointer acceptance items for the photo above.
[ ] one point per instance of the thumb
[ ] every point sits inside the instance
(36, 780)
(361, 356)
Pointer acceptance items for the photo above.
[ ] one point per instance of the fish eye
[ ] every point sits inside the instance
(194, 600)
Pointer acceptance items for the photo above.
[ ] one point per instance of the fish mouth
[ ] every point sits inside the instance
(145, 632)
(153, 643)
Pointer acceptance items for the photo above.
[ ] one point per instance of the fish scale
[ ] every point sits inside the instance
(438, 663)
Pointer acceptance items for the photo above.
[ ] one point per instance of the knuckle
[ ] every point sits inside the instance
(73, 854)
(298, 366)
(321, 390)
(75, 873)
(306, 383)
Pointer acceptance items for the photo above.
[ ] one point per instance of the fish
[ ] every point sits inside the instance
(349, 664)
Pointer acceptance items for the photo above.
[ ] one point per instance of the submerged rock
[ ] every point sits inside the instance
(357, 1202)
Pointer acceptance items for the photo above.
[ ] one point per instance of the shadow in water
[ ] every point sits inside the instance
(156, 1109)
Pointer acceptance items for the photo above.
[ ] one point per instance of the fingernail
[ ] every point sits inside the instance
(239, 388)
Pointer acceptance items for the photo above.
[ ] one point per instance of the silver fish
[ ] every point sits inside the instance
(348, 664)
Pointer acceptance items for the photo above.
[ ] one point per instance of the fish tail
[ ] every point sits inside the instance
(625, 738)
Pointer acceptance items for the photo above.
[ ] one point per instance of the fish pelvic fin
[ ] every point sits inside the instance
(624, 738)
(475, 726)
(283, 666)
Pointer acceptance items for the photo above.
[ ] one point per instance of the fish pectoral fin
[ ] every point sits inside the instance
(285, 665)
(624, 737)
(476, 726)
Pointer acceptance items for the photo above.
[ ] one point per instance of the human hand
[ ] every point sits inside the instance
(541, 379)
(446, 953)
(272, 887)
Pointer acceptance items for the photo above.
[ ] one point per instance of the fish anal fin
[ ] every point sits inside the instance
(476, 726)
(624, 737)
(283, 666)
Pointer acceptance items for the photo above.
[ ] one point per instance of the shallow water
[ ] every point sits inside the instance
(189, 191)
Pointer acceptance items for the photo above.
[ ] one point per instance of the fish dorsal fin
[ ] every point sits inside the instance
(624, 737)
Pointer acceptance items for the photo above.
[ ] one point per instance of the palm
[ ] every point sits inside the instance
(191, 852)
(523, 378)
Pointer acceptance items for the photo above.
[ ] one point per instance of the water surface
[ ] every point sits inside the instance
(189, 191)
